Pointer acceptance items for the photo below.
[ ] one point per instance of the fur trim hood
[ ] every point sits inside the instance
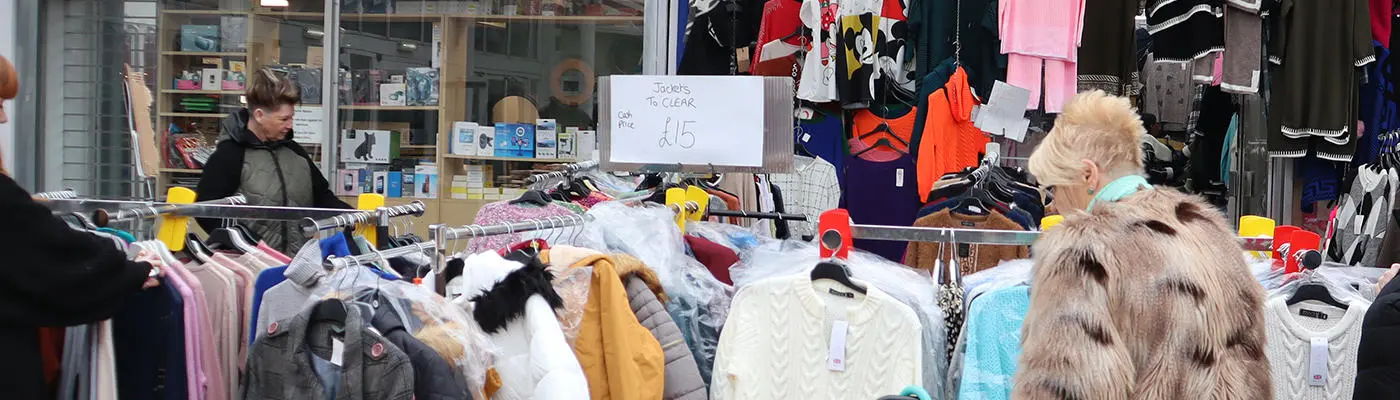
(628, 266)
(502, 287)
(1149, 297)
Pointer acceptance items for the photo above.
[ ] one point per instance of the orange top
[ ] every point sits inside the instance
(865, 121)
(949, 141)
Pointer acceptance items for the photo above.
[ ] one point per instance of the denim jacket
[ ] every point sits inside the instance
(279, 363)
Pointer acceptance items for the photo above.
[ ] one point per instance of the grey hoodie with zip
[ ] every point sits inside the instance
(270, 174)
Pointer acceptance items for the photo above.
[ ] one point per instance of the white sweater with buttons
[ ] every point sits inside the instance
(1290, 345)
(777, 339)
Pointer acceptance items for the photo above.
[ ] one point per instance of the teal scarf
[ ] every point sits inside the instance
(1119, 188)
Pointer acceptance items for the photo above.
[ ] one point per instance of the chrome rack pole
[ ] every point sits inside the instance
(985, 236)
(382, 255)
(756, 215)
(65, 194)
(441, 234)
(310, 226)
(103, 218)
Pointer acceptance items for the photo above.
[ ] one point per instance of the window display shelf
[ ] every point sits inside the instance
(493, 158)
(192, 115)
(204, 53)
(222, 92)
(390, 108)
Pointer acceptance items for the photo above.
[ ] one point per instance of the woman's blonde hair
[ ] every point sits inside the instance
(1096, 127)
(268, 89)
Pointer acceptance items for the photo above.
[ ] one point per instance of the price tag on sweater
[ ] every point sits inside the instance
(836, 357)
(1317, 362)
(899, 177)
(337, 352)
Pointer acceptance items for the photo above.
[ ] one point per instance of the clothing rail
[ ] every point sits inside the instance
(756, 215)
(425, 248)
(195, 210)
(984, 236)
(310, 226)
(442, 233)
(569, 169)
(66, 194)
(102, 217)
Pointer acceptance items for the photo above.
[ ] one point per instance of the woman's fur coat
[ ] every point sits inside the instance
(1146, 298)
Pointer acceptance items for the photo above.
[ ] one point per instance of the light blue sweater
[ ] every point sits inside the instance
(993, 343)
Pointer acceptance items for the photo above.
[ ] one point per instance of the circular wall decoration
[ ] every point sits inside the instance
(577, 87)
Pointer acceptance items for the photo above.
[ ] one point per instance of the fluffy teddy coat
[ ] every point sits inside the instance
(1146, 298)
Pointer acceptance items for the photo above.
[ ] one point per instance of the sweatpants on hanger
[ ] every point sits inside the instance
(1060, 79)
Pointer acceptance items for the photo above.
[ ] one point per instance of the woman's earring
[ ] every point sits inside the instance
(1091, 191)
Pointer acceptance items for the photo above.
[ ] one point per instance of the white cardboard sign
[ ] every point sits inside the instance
(690, 120)
(308, 123)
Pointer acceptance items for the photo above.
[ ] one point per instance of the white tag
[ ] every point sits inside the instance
(836, 357)
(806, 137)
(337, 352)
(1317, 363)
(1359, 222)
(899, 177)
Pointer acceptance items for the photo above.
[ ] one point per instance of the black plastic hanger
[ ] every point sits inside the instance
(535, 197)
(194, 247)
(836, 272)
(883, 142)
(1310, 260)
(228, 239)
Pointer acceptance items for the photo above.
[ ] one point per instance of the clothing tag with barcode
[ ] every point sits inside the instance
(806, 137)
(337, 352)
(836, 357)
(1317, 362)
(899, 177)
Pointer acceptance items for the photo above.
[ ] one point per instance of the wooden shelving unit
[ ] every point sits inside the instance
(265, 45)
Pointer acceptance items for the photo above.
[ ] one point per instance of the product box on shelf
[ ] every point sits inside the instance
(189, 79)
(478, 176)
(567, 140)
(234, 33)
(370, 146)
(347, 182)
(546, 138)
(464, 138)
(422, 86)
(407, 184)
(394, 186)
(199, 38)
(485, 140)
(381, 182)
(366, 180)
(213, 78)
(236, 77)
(392, 94)
(425, 181)
(309, 81)
(515, 140)
(587, 144)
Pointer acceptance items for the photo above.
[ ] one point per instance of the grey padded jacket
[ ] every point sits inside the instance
(269, 174)
(280, 366)
(645, 294)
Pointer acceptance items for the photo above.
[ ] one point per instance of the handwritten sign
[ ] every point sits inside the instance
(308, 122)
(689, 120)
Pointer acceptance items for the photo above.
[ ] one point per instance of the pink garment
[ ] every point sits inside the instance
(1060, 83)
(1049, 29)
(246, 279)
(214, 385)
(195, 325)
(276, 255)
(221, 291)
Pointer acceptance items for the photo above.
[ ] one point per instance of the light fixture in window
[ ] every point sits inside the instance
(274, 3)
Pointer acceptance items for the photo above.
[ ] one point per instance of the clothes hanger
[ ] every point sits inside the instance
(833, 270)
(329, 310)
(1313, 290)
(196, 248)
(534, 197)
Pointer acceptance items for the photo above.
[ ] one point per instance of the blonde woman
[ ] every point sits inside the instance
(256, 157)
(1142, 293)
(53, 276)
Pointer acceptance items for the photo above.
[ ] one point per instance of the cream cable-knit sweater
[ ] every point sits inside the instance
(1290, 336)
(776, 342)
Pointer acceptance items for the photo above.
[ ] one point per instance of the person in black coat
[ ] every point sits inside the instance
(1378, 356)
(53, 276)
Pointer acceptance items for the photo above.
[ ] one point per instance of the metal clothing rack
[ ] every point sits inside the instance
(381, 216)
(65, 194)
(756, 215)
(102, 217)
(984, 236)
(566, 171)
(383, 256)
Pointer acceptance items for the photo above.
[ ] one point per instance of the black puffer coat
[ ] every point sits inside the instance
(1378, 357)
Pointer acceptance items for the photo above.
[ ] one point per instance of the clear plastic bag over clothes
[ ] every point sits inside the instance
(430, 318)
(734, 237)
(914, 289)
(699, 302)
(1344, 283)
(1007, 274)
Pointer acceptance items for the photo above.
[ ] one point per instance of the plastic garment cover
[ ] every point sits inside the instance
(609, 183)
(919, 292)
(993, 343)
(699, 302)
(1265, 273)
(1344, 283)
(734, 237)
(1007, 274)
(428, 317)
